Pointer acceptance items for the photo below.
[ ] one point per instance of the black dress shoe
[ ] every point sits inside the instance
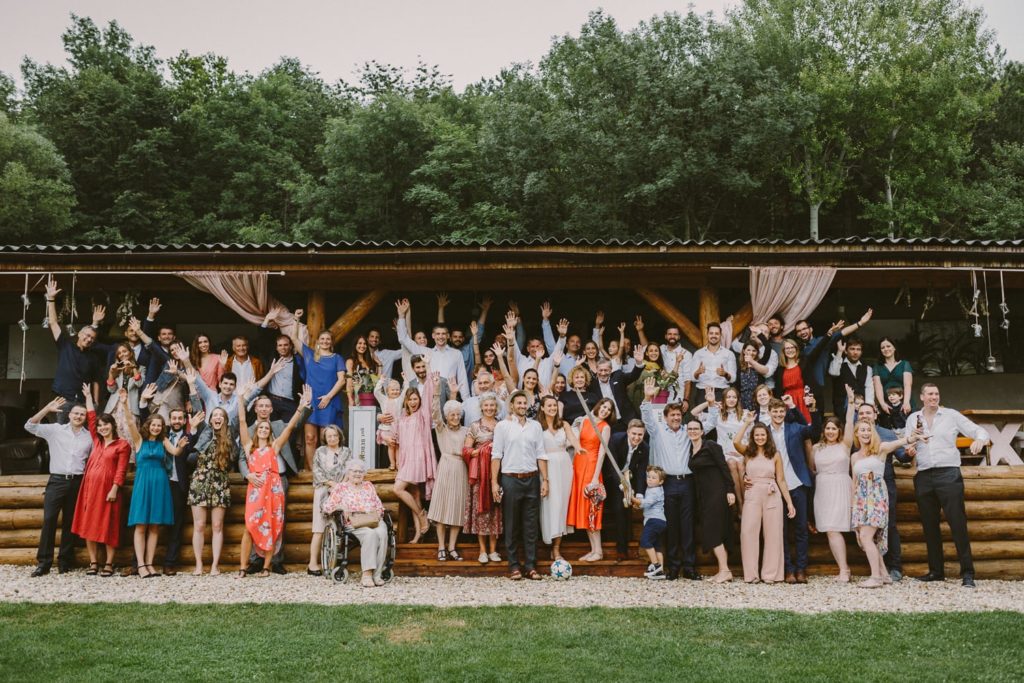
(968, 581)
(691, 574)
(672, 576)
(40, 571)
(315, 572)
(254, 567)
(278, 569)
(63, 568)
(931, 576)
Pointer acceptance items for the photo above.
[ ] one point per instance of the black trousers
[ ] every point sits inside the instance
(680, 499)
(893, 558)
(520, 507)
(942, 488)
(619, 516)
(278, 558)
(179, 499)
(58, 501)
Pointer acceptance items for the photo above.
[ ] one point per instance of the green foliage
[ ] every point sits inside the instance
(854, 117)
(36, 196)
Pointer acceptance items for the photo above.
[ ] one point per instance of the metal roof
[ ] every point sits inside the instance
(356, 245)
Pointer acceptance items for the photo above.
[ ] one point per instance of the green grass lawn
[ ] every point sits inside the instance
(383, 643)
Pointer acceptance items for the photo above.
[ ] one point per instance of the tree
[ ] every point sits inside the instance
(36, 196)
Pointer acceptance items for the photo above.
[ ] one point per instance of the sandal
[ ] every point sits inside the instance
(151, 570)
(241, 574)
(93, 570)
(442, 556)
(533, 575)
(263, 573)
(108, 570)
(516, 575)
(453, 554)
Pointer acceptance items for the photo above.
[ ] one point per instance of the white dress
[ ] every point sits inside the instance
(726, 431)
(554, 508)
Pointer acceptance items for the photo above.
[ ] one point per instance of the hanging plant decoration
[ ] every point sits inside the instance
(126, 309)
(929, 301)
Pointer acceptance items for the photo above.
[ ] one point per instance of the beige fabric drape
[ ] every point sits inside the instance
(247, 294)
(792, 292)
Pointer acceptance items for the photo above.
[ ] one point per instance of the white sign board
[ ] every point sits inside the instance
(362, 434)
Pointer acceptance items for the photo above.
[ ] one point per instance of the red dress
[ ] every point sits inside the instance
(793, 384)
(264, 506)
(583, 466)
(97, 519)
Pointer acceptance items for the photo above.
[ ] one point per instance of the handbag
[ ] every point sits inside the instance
(359, 520)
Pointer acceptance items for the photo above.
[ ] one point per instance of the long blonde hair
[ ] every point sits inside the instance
(874, 445)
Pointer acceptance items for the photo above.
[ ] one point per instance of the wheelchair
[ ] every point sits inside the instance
(338, 543)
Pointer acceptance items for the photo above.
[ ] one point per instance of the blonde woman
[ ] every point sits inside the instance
(451, 490)
(328, 469)
(869, 511)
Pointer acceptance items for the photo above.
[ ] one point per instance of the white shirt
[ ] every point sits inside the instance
(668, 357)
(387, 358)
(68, 449)
(712, 360)
(243, 372)
(940, 450)
(606, 392)
(518, 445)
(836, 366)
(445, 360)
(281, 383)
(779, 437)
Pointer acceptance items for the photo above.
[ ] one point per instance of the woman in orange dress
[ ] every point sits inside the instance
(586, 498)
(264, 496)
(98, 510)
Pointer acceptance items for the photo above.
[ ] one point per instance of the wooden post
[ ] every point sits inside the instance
(742, 318)
(709, 311)
(316, 312)
(355, 313)
(668, 311)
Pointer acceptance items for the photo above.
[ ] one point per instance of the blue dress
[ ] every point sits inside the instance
(151, 492)
(321, 376)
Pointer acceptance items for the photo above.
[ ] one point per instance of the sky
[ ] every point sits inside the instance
(468, 40)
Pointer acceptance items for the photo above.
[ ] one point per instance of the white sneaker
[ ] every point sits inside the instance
(654, 570)
(483, 559)
(650, 568)
(656, 575)
(495, 557)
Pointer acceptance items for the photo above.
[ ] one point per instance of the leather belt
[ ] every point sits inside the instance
(520, 475)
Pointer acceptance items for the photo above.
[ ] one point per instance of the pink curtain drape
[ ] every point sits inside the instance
(792, 292)
(247, 294)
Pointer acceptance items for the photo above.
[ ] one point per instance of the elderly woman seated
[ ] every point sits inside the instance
(362, 512)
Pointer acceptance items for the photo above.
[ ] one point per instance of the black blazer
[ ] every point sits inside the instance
(619, 382)
(619, 445)
(571, 406)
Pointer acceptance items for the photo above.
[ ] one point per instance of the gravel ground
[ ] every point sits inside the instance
(820, 595)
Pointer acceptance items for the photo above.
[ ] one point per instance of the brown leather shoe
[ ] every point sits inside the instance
(801, 577)
(790, 578)
(130, 571)
(173, 571)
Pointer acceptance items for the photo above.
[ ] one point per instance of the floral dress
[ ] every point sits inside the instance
(483, 515)
(264, 505)
(871, 499)
(209, 486)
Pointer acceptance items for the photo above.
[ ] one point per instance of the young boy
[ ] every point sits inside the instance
(896, 419)
(653, 504)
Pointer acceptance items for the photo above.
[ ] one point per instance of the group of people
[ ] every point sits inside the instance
(523, 438)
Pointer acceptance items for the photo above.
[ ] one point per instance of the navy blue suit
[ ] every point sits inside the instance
(796, 430)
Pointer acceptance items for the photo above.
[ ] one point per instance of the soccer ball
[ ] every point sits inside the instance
(561, 570)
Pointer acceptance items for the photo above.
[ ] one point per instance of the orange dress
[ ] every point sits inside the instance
(264, 505)
(583, 467)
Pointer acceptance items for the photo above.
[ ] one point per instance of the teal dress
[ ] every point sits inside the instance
(151, 492)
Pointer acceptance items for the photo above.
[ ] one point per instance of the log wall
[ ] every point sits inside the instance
(994, 500)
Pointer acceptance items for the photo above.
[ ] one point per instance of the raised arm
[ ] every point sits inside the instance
(305, 401)
(402, 328)
(545, 327)
(51, 307)
(850, 412)
(506, 376)
(739, 441)
(638, 325)
(243, 427)
(133, 433)
(864, 320)
(442, 304)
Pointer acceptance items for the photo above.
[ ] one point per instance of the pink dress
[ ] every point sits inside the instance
(211, 370)
(415, 445)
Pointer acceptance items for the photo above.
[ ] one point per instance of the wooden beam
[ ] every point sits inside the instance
(316, 313)
(709, 310)
(355, 313)
(668, 311)
(742, 318)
